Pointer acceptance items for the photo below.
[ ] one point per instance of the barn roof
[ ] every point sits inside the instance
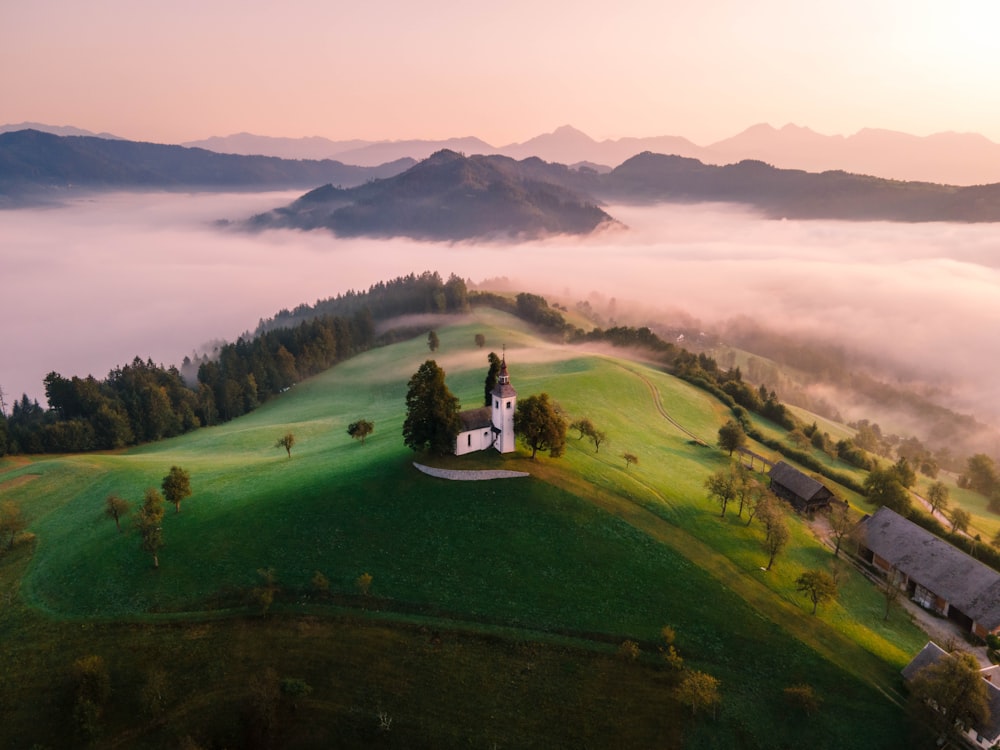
(476, 419)
(971, 586)
(794, 480)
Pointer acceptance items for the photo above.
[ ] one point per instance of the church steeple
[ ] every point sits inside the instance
(504, 406)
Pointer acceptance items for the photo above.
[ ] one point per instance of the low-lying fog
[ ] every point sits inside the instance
(90, 285)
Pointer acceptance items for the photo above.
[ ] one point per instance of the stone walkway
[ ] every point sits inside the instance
(470, 476)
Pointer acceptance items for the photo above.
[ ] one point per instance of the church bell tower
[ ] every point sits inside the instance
(504, 406)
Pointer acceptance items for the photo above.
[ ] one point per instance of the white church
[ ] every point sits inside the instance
(490, 426)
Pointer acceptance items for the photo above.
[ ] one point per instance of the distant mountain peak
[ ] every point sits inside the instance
(449, 197)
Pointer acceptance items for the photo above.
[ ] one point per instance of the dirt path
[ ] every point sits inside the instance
(658, 403)
(470, 476)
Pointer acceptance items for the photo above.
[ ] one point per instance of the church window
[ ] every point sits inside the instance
(469, 437)
(508, 404)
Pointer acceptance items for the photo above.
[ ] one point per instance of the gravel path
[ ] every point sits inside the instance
(470, 476)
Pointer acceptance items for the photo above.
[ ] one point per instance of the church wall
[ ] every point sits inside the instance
(471, 441)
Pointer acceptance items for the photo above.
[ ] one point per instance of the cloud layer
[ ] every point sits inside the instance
(95, 283)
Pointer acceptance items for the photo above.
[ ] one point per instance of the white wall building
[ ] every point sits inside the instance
(491, 425)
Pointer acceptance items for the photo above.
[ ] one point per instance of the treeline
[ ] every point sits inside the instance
(143, 402)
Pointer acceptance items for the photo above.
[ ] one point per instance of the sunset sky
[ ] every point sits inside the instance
(390, 69)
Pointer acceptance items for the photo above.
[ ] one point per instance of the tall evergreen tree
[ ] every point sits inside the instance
(491, 378)
(432, 421)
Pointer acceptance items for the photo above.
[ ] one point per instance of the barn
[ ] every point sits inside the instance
(801, 490)
(935, 574)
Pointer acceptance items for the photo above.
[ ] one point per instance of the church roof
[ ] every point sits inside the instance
(476, 419)
(503, 388)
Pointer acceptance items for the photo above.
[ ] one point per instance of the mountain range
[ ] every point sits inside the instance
(448, 196)
(946, 158)
(36, 165)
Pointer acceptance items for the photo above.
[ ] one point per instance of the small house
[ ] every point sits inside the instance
(801, 490)
(987, 734)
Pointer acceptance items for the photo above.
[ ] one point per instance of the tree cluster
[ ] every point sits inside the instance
(539, 425)
(587, 429)
(143, 402)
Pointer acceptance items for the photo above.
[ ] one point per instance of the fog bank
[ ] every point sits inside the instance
(93, 284)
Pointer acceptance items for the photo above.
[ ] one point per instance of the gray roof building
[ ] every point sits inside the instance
(959, 581)
(801, 490)
(988, 733)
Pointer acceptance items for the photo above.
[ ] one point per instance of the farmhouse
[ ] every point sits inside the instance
(935, 574)
(988, 734)
(801, 490)
(491, 425)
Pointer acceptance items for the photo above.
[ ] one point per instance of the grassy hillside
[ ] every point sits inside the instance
(504, 599)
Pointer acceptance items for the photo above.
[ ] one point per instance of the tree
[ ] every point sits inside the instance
(630, 458)
(890, 590)
(952, 694)
(699, 691)
(364, 583)
(937, 497)
(586, 428)
(883, 488)
(538, 424)
(491, 378)
(670, 655)
(115, 507)
(263, 594)
(150, 524)
(432, 421)
(960, 519)
(176, 487)
(286, 441)
(361, 429)
(480, 340)
(583, 425)
(433, 342)
(721, 487)
(597, 437)
(12, 522)
(904, 473)
(981, 474)
(776, 534)
(841, 525)
(803, 698)
(92, 687)
(731, 436)
(818, 585)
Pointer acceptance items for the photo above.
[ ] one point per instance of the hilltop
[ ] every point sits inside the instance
(523, 589)
(449, 197)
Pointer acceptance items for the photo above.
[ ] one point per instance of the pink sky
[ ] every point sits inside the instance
(387, 69)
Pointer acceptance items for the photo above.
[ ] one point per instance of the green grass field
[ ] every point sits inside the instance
(552, 571)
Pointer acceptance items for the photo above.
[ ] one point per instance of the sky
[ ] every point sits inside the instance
(505, 72)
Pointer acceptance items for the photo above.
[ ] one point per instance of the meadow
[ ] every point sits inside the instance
(495, 608)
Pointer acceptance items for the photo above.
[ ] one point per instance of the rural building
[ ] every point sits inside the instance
(935, 574)
(801, 490)
(491, 425)
(987, 735)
